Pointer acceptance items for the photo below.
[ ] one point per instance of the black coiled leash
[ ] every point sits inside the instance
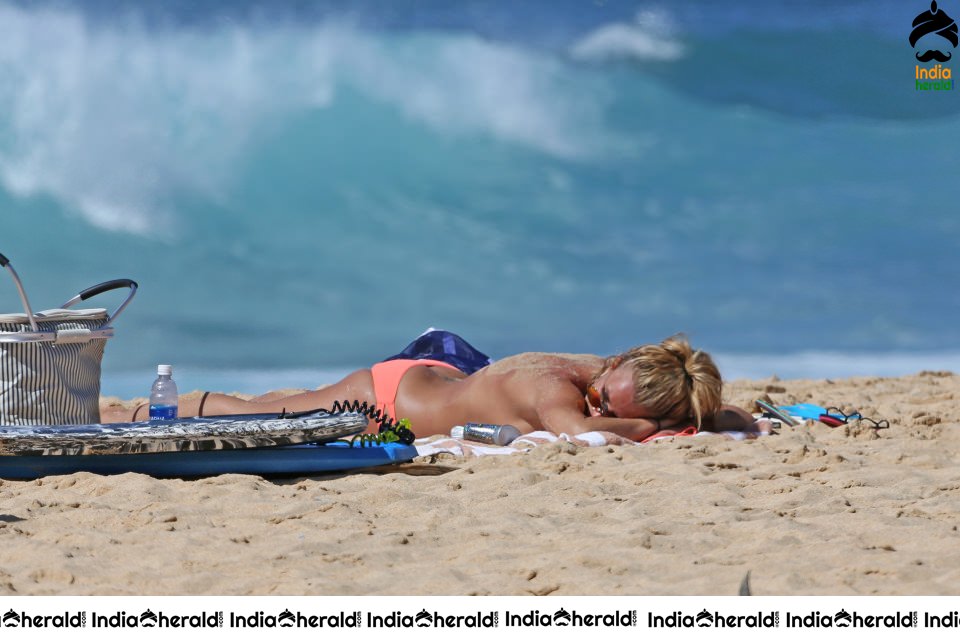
(389, 431)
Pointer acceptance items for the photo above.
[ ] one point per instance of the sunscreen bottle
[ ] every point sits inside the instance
(499, 434)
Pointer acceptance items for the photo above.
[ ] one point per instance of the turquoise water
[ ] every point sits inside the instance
(303, 191)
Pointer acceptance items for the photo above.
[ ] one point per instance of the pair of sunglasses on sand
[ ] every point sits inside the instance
(831, 416)
(834, 417)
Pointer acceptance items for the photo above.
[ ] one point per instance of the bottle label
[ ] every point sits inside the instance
(480, 432)
(498, 434)
(163, 412)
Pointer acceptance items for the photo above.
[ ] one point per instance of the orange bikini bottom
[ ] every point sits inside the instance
(386, 380)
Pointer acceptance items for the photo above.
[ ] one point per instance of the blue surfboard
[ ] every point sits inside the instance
(304, 459)
(262, 444)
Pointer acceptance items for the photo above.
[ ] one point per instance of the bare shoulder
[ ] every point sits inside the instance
(559, 365)
(549, 378)
(550, 386)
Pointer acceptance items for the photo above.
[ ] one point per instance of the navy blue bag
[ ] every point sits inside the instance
(446, 347)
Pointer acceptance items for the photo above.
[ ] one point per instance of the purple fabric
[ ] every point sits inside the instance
(446, 347)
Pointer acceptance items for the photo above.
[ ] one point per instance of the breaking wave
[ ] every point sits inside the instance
(117, 121)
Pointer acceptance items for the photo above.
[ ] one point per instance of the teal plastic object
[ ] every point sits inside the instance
(804, 410)
(809, 411)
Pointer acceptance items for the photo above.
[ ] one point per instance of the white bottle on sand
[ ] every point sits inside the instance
(499, 434)
(163, 396)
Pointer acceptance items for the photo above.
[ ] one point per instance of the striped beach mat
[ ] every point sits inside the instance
(50, 360)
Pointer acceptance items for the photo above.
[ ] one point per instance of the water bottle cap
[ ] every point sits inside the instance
(457, 432)
(164, 369)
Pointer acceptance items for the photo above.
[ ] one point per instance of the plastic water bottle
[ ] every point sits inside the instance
(163, 395)
(499, 434)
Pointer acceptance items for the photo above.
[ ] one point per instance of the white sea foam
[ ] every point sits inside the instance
(116, 120)
(648, 37)
(470, 85)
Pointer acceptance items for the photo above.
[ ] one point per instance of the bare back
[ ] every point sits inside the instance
(515, 390)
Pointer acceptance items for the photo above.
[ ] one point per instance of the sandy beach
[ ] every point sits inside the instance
(811, 510)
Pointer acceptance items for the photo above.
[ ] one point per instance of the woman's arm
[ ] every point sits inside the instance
(571, 422)
(729, 418)
(562, 411)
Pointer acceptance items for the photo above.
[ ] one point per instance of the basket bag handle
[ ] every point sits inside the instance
(96, 289)
(4, 262)
(103, 287)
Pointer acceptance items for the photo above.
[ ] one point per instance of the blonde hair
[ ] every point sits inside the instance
(672, 379)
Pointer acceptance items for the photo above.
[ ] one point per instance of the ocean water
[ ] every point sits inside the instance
(301, 190)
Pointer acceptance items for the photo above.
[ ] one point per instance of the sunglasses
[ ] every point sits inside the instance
(834, 417)
(599, 402)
